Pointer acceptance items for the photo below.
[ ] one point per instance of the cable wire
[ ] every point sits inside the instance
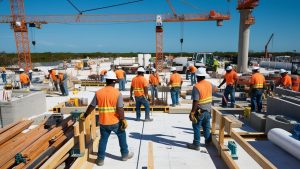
(75, 7)
(110, 6)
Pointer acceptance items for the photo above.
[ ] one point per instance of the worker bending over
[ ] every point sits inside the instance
(121, 75)
(285, 80)
(230, 78)
(63, 83)
(200, 113)
(102, 74)
(53, 76)
(111, 117)
(139, 87)
(192, 70)
(154, 81)
(175, 82)
(257, 85)
(295, 83)
(24, 78)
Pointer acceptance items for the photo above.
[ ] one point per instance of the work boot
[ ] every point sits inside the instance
(128, 156)
(99, 162)
(148, 119)
(173, 105)
(193, 146)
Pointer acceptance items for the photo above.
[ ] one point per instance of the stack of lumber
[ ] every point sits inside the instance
(31, 149)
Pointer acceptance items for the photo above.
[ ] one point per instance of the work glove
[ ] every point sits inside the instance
(123, 124)
(83, 116)
(193, 118)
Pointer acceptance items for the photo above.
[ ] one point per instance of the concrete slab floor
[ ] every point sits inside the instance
(169, 134)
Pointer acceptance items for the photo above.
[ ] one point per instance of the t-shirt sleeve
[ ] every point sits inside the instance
(120, 101)
(94, 102)
(195, 94)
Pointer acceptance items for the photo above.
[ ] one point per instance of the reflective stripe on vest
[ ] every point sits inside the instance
(258, 86)
(175, 85)
(205, 101)
(138, 89)
(107, 109)
(176, 80)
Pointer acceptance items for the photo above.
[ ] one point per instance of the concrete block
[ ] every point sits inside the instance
(272, 122)
(278, 106)
(258, 121)
(280, 91)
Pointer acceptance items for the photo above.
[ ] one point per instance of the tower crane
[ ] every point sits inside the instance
(267, 44)
(19, 21)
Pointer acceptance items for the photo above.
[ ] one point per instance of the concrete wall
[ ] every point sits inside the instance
(277, 106)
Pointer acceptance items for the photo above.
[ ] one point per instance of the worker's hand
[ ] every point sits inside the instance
(131, 98)
(193, 117)
(83, 116)
(123, 124)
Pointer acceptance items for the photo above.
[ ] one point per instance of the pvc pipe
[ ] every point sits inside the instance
(284, 140)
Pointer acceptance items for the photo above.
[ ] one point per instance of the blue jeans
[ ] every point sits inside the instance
(256, 100)
(3, 75)
(30, 76)
(203, 121)
(193, 78)
(175, 95)
(229, 90)
(187, 73)
(122, 84)
(105, 131)
(153, 92)
(141, 100)
(64, 88)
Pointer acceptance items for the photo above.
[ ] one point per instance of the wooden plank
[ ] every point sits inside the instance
(213, 123)
(87, 124)
(93, 128)
(81, 137)
(52, 161)
(221, 131)
(257, 156)
(2, 130)
(14, 131)
(227, 158)
(150, 156)
(228, 121)
(79, 162)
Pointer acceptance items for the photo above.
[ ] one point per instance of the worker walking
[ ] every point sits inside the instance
(102, 74)
(257, 85)
(121, 75)
(200, 113)
(175, 82)
(154, 81)
(30, 74)
(24, 78)
(139, 87)
(111, 117)
(230, 78)
(285, 80)
(295, 83)
(63, 83)
(3, 75)
(53, 76)
(192, 70)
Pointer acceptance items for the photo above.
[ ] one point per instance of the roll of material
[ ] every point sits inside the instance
(284, 140)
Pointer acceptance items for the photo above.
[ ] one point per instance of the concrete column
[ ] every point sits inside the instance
(244, 33)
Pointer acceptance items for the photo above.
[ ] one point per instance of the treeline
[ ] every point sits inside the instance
(12, 58)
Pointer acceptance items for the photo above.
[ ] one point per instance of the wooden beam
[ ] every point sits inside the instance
(221, 131)
(87, 124)
(213, 123)
(150, 156)
(93, 125)
(81, 137)
(2, 130)
(257, 156)
(227, 158)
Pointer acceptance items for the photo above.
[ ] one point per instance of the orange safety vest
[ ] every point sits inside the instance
(230, 77)
(120, 74)
(286, 81)
(24, 79)
(154, 79)
(53, 72)
(138, 83)
(192, 69)
(175, 80)
(205, 89)
(103, 72)
(295, 83)
(107, 98)
(61, 76)
(258, 80)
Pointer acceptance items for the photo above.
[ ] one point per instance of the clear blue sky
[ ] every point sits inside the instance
(272, 16)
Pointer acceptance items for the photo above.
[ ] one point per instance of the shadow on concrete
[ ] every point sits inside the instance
(108, 155)
(183, 128)
(130, 118)
(215, 157)
(158, 138)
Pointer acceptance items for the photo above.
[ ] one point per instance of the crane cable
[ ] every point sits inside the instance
(181, 36)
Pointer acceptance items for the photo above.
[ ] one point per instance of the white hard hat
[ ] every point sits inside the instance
(21, 70)
(110, 75)
(30, 71)
(255, 68)
(173, 69)
(229, 68)
(201, 72)
(153, 69)
(141, 69)
(282, 71)
(119, 67)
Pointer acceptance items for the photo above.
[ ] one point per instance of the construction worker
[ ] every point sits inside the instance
(121, 75)
(295, 83)
(102, 74)
(215, 65)
(63, 83)
(175, 82)
(139, 87)
(154, 81)
(111, 117)
(257, 85)
(200, 113)
(230, 78)
(24, 79)
(53, 77)
(285, 80)
(192, 70)
(30, 74)
(3, 75)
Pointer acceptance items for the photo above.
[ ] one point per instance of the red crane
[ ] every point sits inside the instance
(248, 4)
(19, 22)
